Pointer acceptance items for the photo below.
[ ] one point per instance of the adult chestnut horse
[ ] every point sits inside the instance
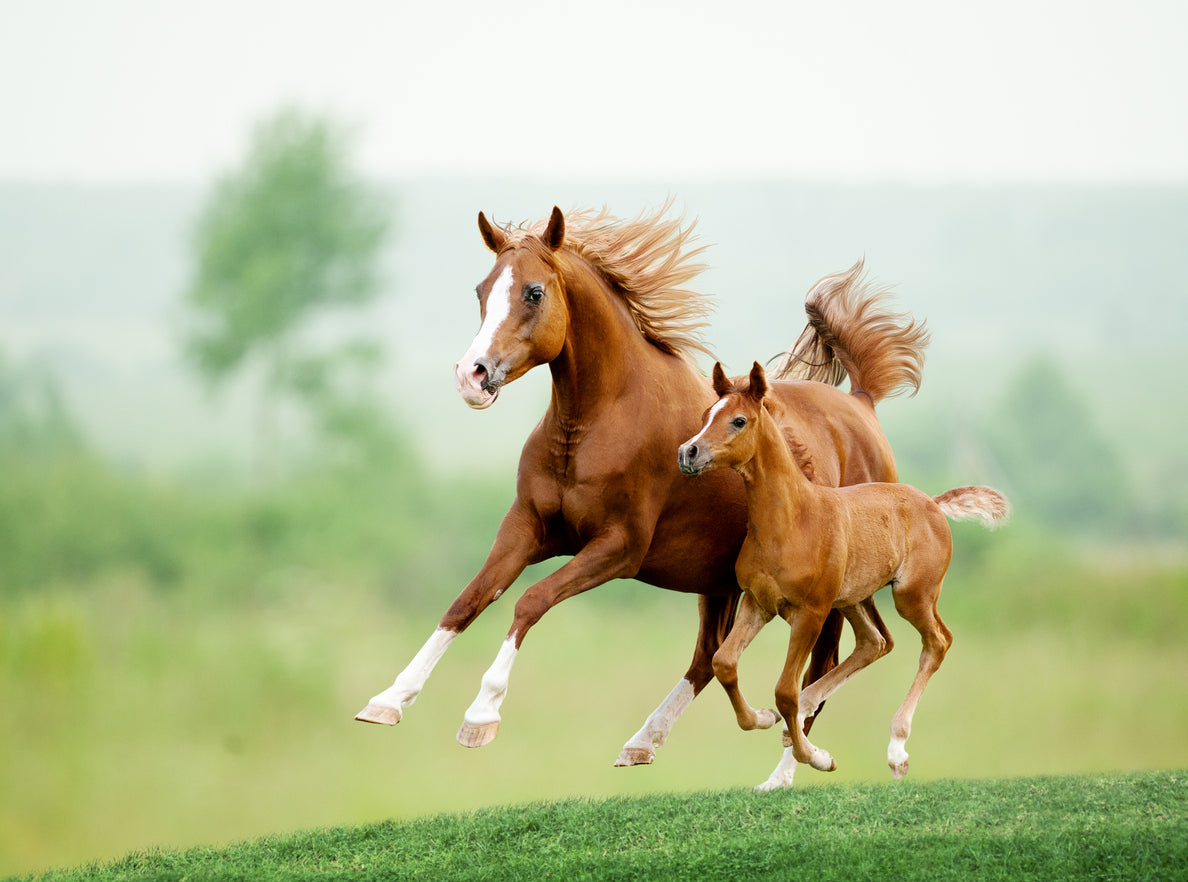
(600, 301)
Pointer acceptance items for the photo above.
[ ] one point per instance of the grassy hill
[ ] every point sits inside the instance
(1100, 827)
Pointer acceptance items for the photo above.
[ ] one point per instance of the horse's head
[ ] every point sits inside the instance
(727, 439)
(523, 311)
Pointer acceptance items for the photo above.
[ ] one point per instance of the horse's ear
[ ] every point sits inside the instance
(492, 235)
(721, 382)
(554, 234)
(758, 382)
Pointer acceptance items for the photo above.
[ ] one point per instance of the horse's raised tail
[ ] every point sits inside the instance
(983, 504)
(851, 332)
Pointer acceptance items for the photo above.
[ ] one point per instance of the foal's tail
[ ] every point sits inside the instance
(983, 504)
(851, 332)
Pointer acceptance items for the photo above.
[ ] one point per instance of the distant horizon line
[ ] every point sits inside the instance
(889, 182)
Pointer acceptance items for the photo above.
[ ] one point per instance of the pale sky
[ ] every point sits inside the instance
(916, 90)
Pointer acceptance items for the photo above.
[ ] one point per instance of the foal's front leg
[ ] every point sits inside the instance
(751, 619)
(805, 626)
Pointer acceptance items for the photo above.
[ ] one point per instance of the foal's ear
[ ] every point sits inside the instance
(492, 235)
(722, 383)
(554, 234)
(758, 382)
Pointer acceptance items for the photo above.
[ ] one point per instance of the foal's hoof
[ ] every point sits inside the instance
(379, 713)
(472, 735)
(635, 756)
(765, 718)
(898, 770)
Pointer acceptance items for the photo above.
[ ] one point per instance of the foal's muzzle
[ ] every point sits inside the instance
(689, 458)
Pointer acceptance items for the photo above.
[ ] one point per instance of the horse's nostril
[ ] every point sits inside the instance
(691, 452)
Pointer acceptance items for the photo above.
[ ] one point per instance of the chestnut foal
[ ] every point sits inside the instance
(811, 548)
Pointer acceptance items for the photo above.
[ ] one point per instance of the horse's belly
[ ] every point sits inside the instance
(695, 546)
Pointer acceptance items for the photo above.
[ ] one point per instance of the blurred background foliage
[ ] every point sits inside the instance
(184, 639)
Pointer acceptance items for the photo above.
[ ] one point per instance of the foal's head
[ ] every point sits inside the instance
(727, 440)
(524, 313)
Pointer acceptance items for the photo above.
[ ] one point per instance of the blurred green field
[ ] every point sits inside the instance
(136, 718)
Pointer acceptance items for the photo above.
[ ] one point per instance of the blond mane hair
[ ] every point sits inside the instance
(648, 260)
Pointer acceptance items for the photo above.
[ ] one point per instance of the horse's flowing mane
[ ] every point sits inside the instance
(649, 260)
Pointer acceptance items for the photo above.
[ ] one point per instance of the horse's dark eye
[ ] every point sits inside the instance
(739, 422)
(533, 293)
(478, 290)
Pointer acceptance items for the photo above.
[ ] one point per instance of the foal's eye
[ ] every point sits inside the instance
(533, 293)
(739, 422)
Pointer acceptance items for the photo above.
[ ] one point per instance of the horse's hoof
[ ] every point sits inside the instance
(898, 770)
(635, 756)
(379, 713)
(775, 782)
(787, 738)
(472, 735)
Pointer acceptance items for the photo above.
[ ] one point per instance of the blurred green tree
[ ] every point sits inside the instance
(291, 233)
(1056, 462)
(34, 422)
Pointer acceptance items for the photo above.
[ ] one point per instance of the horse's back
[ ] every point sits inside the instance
(840, 431)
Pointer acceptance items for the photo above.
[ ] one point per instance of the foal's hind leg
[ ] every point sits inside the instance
(919, 608)
(871, 642)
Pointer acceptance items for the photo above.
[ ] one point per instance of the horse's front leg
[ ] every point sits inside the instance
(608, 557)
(515, 547)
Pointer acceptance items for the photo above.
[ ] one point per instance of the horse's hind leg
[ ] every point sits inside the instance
(716, 619)
(919, 608)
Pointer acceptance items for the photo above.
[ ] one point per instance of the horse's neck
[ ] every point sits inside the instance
(603, 349)
(777, 490)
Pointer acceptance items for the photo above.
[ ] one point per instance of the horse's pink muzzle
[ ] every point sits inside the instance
(473, 384)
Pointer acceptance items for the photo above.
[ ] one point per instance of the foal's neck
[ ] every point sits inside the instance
(777, 490)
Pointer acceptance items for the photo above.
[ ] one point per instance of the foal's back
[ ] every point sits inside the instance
(888, 533)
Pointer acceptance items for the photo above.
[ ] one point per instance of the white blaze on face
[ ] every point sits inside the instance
(708, 421)
(499, 302)
(498, 309)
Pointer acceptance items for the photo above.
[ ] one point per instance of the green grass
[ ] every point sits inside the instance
(1076, 827)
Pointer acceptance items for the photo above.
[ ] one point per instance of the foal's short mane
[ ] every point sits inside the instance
(648, 259)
